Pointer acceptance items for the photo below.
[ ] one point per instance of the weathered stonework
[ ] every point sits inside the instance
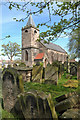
(31, 47)
(25, 72)
(29, 44)
(51, 74)
(25, 105)
(35, 105)
(12, 86)
(45, 75)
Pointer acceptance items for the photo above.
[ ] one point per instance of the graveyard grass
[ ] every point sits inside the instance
(55, 90)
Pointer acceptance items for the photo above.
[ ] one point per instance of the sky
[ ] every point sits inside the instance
(10, 27)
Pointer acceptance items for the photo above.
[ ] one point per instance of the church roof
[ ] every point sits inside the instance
(30, 21)
(39, 56)
(53, 47)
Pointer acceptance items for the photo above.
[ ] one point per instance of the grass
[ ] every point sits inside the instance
(55, 90)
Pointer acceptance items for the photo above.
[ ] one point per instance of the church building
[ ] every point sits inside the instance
(34, 51)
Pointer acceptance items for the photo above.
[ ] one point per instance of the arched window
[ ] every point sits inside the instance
(26, 56)
(35, 31)
(26, 30)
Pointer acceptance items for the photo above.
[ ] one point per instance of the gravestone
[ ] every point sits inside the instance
(73, 68)
(37, 73)
(51, 74)
(12, 85)
(34, 105)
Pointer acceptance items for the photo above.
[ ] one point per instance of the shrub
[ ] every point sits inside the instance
(41, 64)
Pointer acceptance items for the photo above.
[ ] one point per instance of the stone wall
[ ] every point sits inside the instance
(25, 72)
(53, 55)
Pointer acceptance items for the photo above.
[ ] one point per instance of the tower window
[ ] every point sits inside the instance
(26, 30)
(35, 31)
(26, 56)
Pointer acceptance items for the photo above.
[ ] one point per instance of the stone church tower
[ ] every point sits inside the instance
(29, 44)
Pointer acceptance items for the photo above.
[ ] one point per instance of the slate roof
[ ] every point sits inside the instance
(53, 47)
(39, 56)
(30, 21)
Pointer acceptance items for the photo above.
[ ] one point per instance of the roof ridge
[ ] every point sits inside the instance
(59, 46)
(53, 46)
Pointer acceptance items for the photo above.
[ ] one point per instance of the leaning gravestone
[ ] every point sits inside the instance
(37, 73)
(51, 74)
(11, 87)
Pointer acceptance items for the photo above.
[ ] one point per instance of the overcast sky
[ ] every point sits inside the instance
(13, 28)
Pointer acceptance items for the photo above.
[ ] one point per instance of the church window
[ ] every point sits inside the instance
(26, 30)
(35, 31)
(26, 56)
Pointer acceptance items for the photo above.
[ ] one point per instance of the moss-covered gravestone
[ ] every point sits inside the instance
(73, 68)
(51, 74)
(34, 105)
(12, 85)
(37, 74)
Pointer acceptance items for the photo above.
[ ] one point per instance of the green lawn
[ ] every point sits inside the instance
(55, 90)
